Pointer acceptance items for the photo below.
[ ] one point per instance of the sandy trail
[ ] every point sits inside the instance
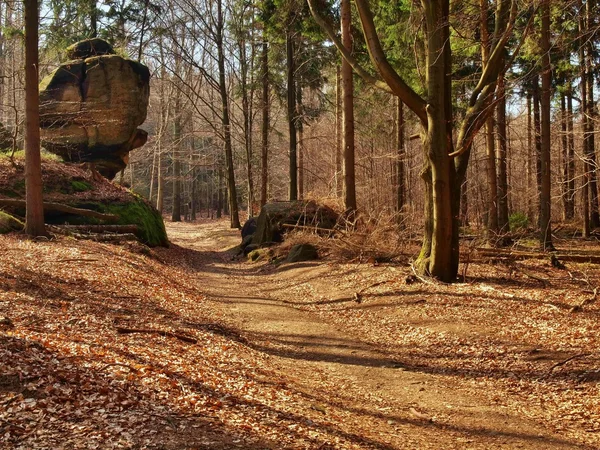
(391, 405)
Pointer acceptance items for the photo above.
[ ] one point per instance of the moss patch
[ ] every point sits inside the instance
(81, 186)
(8, 223)
(151, 226)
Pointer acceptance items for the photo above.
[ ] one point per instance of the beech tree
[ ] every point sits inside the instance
(446, 160)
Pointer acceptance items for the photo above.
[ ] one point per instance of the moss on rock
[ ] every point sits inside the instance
(8, 223)
(149, 221)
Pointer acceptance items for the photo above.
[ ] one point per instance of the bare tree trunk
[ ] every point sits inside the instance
(220, 193)
(348, 111)
(591, 109)
(152, 175)
(530, 156)
(492, 181)
(34, 218)
(338, 132)
(503, 226)
(538, 143)
(231, 188)
(545, 200)
(265, 125)
(93, 19)
(176, 213)
(570, 163)
(564, 155)
(436, 257)
(247, 115)
(291, 113)
(585, 118)
(300, 128)
(401, 155)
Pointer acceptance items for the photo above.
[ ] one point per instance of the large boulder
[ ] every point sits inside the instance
(276, 217)
(91, 107)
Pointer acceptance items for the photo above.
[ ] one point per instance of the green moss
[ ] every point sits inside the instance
(81, 186)
(151, 226)
(20, 155)
(8, 223)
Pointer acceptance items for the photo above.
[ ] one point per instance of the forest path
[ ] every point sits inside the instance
(369, 391)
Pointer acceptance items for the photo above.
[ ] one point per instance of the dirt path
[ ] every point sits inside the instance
(367, 389)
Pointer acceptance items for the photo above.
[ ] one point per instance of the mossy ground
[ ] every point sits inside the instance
(70, 184)
(8, 223)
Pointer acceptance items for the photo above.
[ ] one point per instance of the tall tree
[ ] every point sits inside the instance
(225, 119)
(348, 110)
(34, 220)
(545, 199)
(291, 109)
(445, 164)
(265, 104)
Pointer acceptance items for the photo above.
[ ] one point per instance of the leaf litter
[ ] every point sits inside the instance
(69, 379)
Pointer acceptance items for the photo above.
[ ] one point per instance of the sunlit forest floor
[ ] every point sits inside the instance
(192, 347)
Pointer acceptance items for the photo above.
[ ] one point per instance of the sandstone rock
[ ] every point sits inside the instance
(90, 108)
(89, 47)
(302, 252)
(274, 216)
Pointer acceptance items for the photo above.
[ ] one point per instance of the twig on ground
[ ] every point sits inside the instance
(181, 337)
(563, 362)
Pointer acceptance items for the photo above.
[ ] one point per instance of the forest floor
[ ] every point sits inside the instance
(108, 346)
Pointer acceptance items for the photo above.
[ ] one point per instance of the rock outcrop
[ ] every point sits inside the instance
(91, 107)
(273, 218)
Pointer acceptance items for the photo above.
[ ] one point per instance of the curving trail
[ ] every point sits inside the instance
(370, 391)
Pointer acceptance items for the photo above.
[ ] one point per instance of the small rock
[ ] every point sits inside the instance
(249, 228)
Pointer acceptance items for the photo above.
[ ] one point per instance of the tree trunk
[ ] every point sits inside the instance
(545, 199)
(338, 133)
(591, 109)
(564, 155)
(220, 193)
(401, 155)
(530, 155)
(152, 175)
(291, 115)
(538, 142)
(300, 128)
(225, 121)
(247, 115)
(348, 111)
(93, 19)
(265, 125)
(585, 118)
(176, 213)
(438, 256)
(34, 215)
(503, 226)
(570, 157)
(492, 180)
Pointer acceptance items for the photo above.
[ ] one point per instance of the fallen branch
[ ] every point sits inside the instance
(309, 228)
(181, 337)
(587, 301)
(51, 206)
(101, 228)
(519, 255)
(97, 237)
(563, 362)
